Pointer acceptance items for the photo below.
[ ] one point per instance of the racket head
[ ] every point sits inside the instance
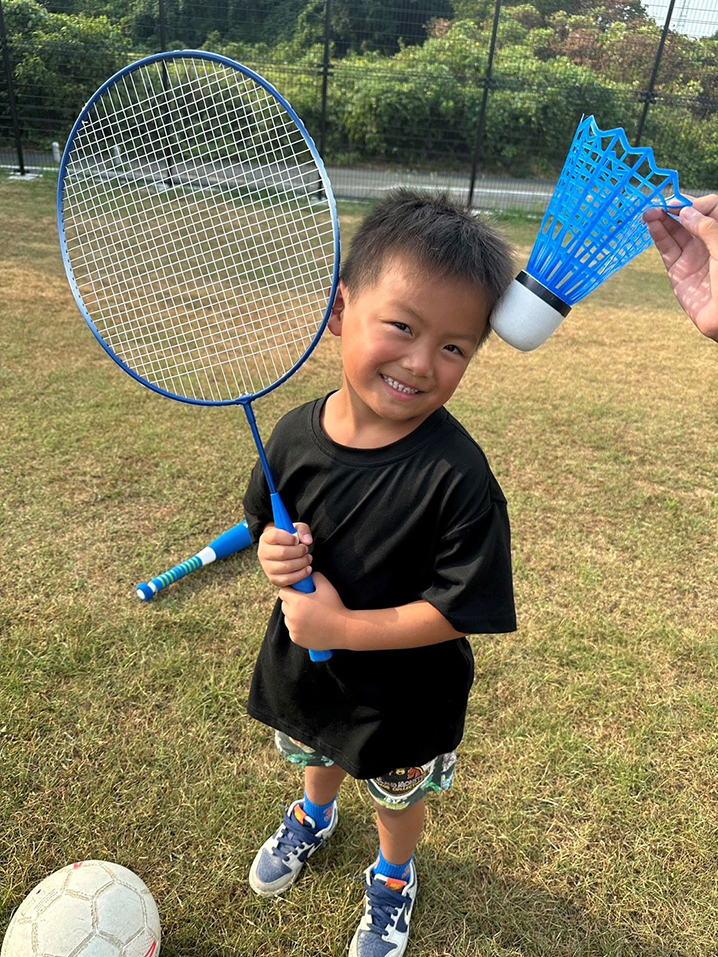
(283, 185)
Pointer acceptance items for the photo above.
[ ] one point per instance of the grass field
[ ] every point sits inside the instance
(584, 818)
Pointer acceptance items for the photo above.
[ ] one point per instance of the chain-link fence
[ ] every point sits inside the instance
(477, 97)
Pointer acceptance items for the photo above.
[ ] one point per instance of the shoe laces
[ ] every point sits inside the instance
(385, 905)
(293, 836)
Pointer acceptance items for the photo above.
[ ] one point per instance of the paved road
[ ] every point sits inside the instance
(369, 184)
(490, 192)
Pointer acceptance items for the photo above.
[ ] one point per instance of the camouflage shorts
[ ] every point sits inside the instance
(397, 790)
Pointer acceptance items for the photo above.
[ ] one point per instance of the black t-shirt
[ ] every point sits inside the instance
(420, 519)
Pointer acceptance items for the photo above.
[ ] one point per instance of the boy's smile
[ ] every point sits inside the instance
(406, 342)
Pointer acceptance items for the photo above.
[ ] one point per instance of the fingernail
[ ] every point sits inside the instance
(689, 214)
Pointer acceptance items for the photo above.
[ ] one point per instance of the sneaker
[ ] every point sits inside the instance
(280, 859)
(383, 930)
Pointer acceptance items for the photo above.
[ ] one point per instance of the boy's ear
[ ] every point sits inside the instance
(337, 314)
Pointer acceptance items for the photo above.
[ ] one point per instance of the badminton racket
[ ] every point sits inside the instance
(229, 543)
(199, 234)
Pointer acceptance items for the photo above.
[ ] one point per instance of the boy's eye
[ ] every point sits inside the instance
(455, 350)
(401, 326)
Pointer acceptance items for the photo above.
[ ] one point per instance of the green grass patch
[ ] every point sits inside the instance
(583, 818)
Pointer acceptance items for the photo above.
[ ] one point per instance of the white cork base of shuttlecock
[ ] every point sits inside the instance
(523, 319)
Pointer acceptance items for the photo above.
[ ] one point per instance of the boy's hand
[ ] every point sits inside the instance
(689, 248)
(315, 621)
(284, 561)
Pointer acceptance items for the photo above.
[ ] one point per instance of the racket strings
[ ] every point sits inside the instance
(198, 230)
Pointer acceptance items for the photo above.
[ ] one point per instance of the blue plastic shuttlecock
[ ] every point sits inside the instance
(593, 227)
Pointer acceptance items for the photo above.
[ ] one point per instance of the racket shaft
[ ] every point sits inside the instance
(230, 542)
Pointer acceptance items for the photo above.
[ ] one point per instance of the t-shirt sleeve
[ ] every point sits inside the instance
(257, 503)
(472, 584)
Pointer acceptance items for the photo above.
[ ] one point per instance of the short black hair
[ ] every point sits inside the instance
(439, 235)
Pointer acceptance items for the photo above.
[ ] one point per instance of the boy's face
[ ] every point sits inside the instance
(407, 340)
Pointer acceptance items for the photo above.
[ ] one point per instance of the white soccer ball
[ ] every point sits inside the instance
(88, 909)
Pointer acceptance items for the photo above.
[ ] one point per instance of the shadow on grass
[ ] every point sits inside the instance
(476, 911)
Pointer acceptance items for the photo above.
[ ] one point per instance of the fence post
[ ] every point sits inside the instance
(11, 93)
(163, 28)
(325, 74)
(649, 94)
(482, 115)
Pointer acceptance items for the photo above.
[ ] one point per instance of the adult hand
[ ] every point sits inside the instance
(688, 246)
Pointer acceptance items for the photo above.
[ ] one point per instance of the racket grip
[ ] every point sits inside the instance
(146, 591)
(233, 540)
(283, 521)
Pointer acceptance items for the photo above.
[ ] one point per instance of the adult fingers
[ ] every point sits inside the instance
(703, 225)
(707, 205)
(665, 233)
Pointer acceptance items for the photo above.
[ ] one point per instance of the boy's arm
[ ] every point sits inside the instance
(322, 621)
(406, 626)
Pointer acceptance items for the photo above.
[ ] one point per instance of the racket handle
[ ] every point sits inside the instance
(231, 541)
(306, 585)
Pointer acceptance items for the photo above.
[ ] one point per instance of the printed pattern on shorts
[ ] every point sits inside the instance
(300, 754)
(397, 790)
(406, 786)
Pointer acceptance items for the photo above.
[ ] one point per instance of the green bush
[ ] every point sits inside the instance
(683, 143)
(420, 106)
(58, 61)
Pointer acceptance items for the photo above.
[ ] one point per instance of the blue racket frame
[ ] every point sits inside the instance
(281, 517)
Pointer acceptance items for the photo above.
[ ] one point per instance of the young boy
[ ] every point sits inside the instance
(411, 551)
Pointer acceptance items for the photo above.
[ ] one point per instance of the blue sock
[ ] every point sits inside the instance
(399, 872)
(321, 814)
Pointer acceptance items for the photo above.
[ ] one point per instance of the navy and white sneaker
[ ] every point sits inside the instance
(280, 859)
(383, 930)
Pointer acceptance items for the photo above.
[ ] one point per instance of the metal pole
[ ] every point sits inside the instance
(325, 74)
(163, 28)
(649, 95)
(11, 93)
(482, 115)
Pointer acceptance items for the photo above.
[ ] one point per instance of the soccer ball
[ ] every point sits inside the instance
(88, 909)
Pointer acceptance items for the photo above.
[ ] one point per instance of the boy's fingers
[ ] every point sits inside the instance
(278, 554)
(304, 533)
(288, 567)
(286, 581)
(277, 536)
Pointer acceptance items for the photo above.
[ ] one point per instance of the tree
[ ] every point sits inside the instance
(58, 60)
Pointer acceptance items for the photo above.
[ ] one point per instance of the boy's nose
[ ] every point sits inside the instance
(418, 361)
